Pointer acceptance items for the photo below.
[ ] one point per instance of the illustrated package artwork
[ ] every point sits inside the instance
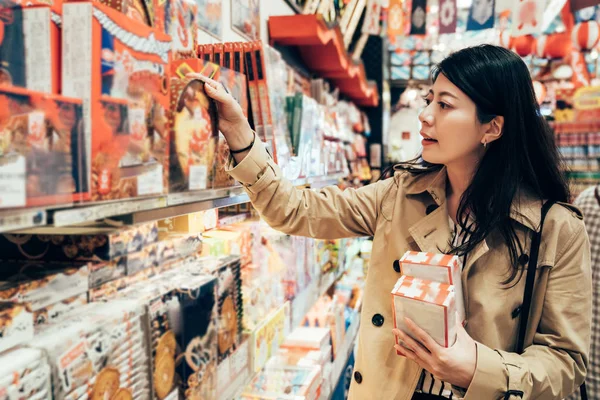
(118, 66)
(42, 149)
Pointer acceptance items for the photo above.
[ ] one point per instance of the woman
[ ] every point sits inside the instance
(488, 160)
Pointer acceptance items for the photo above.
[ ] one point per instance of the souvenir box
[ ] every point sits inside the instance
(430, 305)
(443, 268)
(42, 149)
(30, 46)
(41, 285)
(194, 136)
(119, 67)
(16, 325)
(91, 243)
(197, 222)
(99, 351)
(25, 374)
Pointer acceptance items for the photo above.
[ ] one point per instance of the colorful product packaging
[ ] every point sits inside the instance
(42, 149)
(194, 136)
(54, 311)
(431, 305)
(182, 27)
(441, 268)
(298, 383)
(16, 325)
(25, 374)
(90, 243)
(119, 67)
(197, 222)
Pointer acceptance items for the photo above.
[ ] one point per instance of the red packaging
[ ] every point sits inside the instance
(119, 67)
(137, 10)
(30, 46)
(182, 28)
(42, 149)
(228, 55)
(218, 53)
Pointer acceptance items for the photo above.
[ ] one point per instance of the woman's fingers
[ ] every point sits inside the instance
(213, 89)
(412, 344)
(422, 336)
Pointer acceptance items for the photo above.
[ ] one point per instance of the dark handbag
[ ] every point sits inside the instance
(529, 282)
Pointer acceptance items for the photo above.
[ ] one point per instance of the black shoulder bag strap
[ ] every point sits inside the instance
(529, 286)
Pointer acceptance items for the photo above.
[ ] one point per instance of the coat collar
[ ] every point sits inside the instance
(526, 208)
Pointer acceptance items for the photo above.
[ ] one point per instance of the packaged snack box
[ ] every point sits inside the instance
(429, 304)
(92, 243)
(197, 222)
(42, 149)
(441, 268)
(16, 325)
(119, 67)
(25, 374)
(193, 136)
(29, 46)
(298, 383)
(54, 311)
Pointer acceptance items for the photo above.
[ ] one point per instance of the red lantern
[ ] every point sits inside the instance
(524, 45)
(556, 45)
(585, 35)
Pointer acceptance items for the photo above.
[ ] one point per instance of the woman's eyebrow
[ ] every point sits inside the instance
(444, 93)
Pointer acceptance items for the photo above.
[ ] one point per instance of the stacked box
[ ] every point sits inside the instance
(119, 67)
(92, 243)
(25, 374)
(431, 305)
(42, 149)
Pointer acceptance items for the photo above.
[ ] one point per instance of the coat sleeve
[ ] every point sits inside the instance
(555, 365)
(329, 213)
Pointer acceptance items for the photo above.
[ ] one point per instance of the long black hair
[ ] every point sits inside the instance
(525, 157)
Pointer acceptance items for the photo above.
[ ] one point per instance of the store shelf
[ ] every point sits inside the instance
(139, 210)
(322, 50)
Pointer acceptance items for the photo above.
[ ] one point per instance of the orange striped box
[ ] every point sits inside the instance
(429, 304)
(443, 268)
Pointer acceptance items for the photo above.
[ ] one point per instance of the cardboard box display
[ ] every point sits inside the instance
(119, 67)
(197, 222)
(42, 285)
(441, 268)
(42, 148)
(431, 305)
(90, 243)
(194, 136)
(25, 374)
(16, 325)
(29, 50)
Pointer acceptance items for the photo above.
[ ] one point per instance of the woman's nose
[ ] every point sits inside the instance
(425, 116)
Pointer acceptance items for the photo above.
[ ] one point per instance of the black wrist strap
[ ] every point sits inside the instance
(245, 148)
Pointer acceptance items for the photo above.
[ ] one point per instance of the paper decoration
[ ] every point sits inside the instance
(448, 16)
(400, 73)
(481, 15)
(581, 76)
(395, 19)
(556, 45)
(371, 24)
(586, 14)
(528, 17)
(585, 35)
(418, 17)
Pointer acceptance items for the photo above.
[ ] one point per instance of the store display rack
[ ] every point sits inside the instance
(132, 211)
(322, 50)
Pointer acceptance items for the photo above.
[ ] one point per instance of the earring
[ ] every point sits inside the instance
(485, 144)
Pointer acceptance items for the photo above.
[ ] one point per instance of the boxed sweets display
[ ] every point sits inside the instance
(16, 325)
(119, 67)
(431, 305)
(285, 383)
(89, 243)
(54, 311)
(197, 222)
(194, 136)
(98, 351)
(42, 149)
(182, 313)
(30, 46)
(25, 374)
(441, 268)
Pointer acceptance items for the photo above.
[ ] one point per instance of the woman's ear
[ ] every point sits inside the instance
(493, 130)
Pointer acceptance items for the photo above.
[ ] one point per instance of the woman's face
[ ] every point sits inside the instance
(451, 131)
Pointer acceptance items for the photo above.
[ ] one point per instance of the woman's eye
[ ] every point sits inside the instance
(443, 106)
(426, 100)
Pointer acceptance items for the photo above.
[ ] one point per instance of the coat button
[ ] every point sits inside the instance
(523, 259)
(377, 320)
(431, 208)
(397, 266)
(358, 377)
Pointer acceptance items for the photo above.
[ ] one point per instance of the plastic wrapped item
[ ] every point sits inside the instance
(118, 66)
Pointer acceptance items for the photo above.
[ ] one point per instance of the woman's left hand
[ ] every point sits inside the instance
(455, 365)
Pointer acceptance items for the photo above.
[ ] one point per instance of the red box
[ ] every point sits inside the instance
(119, 67)
(30, 46)
(42, 149)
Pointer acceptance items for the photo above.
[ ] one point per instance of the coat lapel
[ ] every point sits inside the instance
(432, 232)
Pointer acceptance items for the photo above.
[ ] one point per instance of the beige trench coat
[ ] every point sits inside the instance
(409, 213)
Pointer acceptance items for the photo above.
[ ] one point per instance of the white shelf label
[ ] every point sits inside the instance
(198, 177)
(151, 182)
(13, 188)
